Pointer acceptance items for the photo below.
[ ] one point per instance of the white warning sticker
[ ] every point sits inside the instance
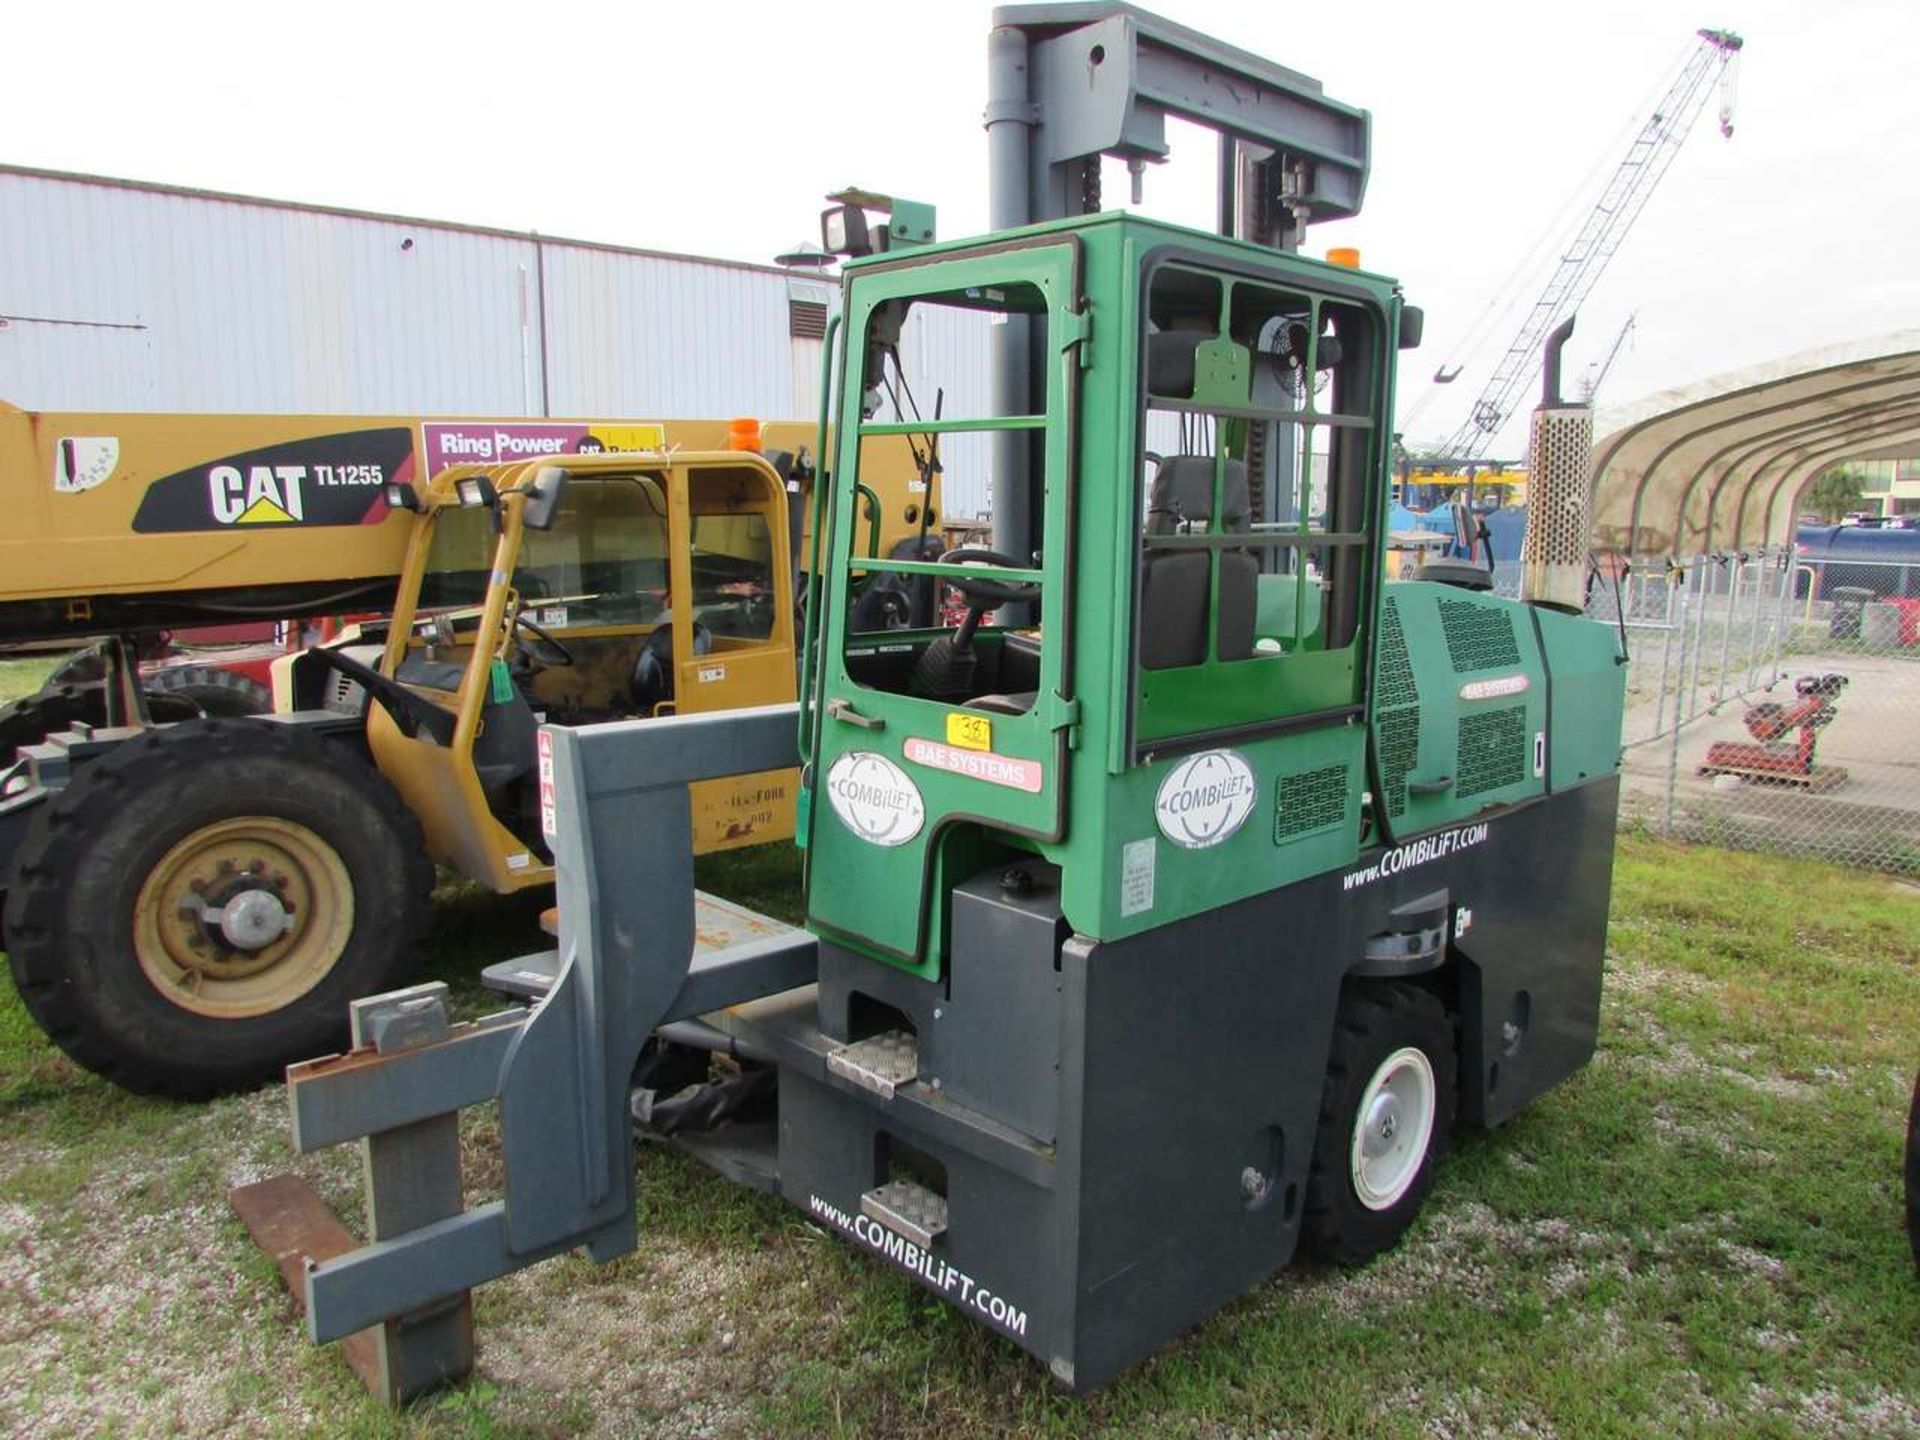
(1137, 858)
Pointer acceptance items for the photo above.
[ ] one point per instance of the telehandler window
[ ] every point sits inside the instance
(1258, 438)
(605, 556)
(731, 557)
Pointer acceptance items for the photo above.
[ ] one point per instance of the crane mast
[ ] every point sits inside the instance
(1580, 267)
(1596, 375)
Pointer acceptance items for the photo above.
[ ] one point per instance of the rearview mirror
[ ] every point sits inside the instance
(543, 498)
(1413, 323)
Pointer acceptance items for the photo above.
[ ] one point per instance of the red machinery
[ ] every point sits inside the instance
(1787, 764)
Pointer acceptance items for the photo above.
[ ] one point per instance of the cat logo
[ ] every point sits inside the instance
(315, 480)
(264, 495)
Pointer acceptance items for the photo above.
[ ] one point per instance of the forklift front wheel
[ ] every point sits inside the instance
(1384, 1119)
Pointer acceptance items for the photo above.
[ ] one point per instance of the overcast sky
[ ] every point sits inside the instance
(715, 128)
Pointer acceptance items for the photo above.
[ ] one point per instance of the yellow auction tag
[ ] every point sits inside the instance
(970, 732)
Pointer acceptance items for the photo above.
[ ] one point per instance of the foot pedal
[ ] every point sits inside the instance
(907, 1209)
(881, 1063)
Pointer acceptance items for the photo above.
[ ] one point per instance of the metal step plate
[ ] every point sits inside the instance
(881, 1063)
(907, 1209)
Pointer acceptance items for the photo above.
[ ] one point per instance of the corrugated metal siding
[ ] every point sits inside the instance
(950, 349)
(197, 303)
(670, 339)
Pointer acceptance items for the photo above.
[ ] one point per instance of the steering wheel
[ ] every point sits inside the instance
(543, 649)
(984, 594)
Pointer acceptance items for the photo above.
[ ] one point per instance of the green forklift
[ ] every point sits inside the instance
(1165, 915)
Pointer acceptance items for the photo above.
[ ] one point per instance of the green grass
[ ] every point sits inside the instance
(22, 677)
(1699, 1234)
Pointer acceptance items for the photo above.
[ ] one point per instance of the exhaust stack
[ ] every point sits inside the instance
(1559, 491)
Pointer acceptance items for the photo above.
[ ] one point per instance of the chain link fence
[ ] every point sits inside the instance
(1773, 704)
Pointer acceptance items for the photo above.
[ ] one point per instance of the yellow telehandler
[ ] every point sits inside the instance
(188, 905)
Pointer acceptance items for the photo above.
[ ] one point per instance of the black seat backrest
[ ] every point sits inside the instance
(653, 671)
(1173, 590)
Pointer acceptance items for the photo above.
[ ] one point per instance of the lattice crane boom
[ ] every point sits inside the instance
(1606, 226)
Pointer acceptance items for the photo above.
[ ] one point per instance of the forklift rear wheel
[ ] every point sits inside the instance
(1384, 1119)
(195, 911)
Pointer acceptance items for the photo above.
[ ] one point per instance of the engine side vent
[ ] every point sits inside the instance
(344, 695)
(1398, 736)
(1493, 750)
(1395, 686)
(1311, 801)
(1479, 637)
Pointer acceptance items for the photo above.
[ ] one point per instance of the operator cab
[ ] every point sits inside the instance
(618, 587)
(593, 615)
(1200, 581)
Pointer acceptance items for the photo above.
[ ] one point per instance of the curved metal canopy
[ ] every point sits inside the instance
(1718, 464)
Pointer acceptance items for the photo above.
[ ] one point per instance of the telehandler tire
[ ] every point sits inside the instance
(1384, 1120)
(30, 720)
(195, 911)
(218, 694)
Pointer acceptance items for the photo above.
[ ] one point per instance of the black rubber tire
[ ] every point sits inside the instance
(88, 851)
(30, 720)
(219, 694)
(1375, 1019)
(1913, 1175)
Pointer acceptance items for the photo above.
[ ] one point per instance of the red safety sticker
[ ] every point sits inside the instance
(549, 817)
(995, 769)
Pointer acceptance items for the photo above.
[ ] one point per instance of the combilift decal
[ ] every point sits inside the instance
(322, 480)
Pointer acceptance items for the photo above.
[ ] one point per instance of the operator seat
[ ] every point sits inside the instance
(652, 684)
(1173, 583)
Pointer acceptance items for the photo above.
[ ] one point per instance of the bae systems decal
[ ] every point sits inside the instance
(323, 480)
(874, 798)
(1204, 799)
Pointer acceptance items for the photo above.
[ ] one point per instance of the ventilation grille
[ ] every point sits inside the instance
(1395, 685)
(344, 695)
(1479, 637)
(1559, 477)
(1399, 741)
(1312, 800)
(806, 319)
(1396, 708)
(1493, 750)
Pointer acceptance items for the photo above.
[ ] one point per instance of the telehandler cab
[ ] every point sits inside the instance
(1158, 932)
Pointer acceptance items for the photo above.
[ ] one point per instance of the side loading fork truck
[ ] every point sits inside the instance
(1158, 932)
(190, 903)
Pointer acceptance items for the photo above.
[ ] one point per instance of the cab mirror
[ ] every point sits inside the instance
(1413, 322)
(844, 231)
(543, 498)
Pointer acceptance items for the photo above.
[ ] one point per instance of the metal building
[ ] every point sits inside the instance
(117, 295)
